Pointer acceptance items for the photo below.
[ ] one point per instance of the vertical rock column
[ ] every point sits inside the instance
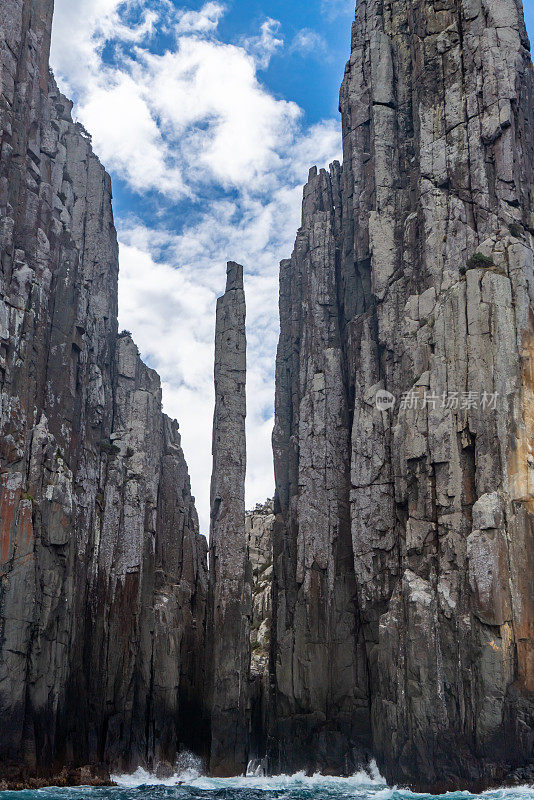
(321, 718)
(437, 218)
(230, 585)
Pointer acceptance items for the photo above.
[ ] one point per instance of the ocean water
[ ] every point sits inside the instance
(189, 784)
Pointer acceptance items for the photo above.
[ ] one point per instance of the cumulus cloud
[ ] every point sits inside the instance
(213, 138)
(215, 112)
(127, 135)
(83, 27)
(209, 109)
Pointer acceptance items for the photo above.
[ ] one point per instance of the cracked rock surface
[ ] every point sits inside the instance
(404, 543)
(103, 573)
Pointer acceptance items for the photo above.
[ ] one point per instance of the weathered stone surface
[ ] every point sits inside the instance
(413, 274)
(230, 578)
(149, 584)
(103, 575)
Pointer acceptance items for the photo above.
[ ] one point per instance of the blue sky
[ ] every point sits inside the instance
(208, 115)
(529, 17)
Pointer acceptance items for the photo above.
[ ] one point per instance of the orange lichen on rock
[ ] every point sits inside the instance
(10, 492)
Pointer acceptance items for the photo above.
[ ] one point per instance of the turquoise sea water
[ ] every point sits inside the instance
(142, 786)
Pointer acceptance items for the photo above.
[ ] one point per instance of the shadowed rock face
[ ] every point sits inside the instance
(103, 575)
(404, 544)
(230, 574)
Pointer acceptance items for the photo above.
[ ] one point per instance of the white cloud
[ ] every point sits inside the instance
(308, 41)
(127, 136)
(215, 138)
(217, 115)
(209, 110)
(204, 21)
(264, 46)
(82, 28)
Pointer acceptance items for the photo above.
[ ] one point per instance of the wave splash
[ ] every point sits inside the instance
(188, 772)
(364, 785)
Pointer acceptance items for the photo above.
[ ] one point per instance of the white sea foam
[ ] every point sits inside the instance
(188, 770)
(189, 773)
(364, 785)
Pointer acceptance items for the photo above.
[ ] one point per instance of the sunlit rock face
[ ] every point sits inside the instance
(103, 574)
(404, 544)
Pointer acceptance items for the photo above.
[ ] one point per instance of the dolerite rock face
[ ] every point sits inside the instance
(103, 575)
(404, 543)
(230, 578)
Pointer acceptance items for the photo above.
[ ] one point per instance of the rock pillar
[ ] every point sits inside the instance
(230, 587)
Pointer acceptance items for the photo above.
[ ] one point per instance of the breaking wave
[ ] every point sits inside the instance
(189, 774)
(191, 784)
(187, 782)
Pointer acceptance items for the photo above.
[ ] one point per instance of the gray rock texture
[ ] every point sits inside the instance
(103, 574)
(404, 543)
(230, 575)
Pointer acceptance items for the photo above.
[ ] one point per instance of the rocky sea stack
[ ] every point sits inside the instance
(230, 578)
(382, 606)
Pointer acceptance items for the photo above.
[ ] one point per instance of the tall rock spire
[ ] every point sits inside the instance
(413, 275)
(230, 580)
